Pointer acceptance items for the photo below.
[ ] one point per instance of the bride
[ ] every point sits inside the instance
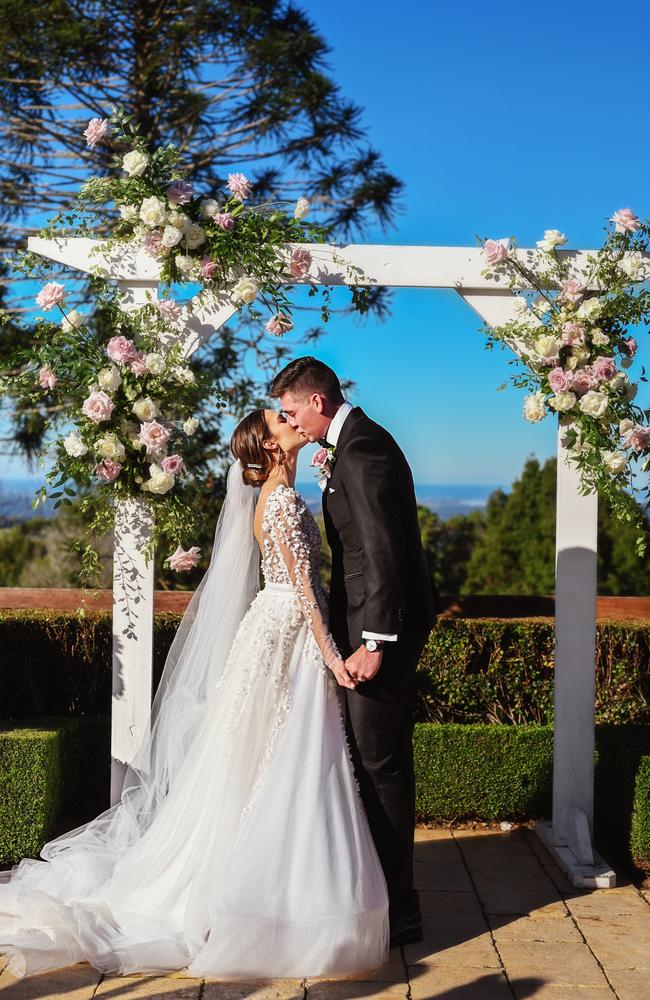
(239, 847)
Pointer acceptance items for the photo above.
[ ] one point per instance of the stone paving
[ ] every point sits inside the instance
(501, 922)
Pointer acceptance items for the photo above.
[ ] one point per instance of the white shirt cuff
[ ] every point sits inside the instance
(378, 635)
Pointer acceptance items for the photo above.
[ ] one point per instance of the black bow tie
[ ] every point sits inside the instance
(324, 443)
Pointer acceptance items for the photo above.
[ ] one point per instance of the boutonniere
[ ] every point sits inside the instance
(323, 460)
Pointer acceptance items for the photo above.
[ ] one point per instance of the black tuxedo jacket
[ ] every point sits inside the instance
(380, 580)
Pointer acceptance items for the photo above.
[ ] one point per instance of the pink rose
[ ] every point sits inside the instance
(496, 250)
(108, 470)
(629, 346)
(637, 437)
(98, 406)
(625, 221)
(153, 436)
(173, 464)
(152, 243)
(121, 350)
(96, 129)
(320, 458)
(208, 268)
(300, 263)
(603, 368)
(559, 380)
(169, 310)
(50, 295)
(179, 192)
(240, 186)
(183, 560)
(582, 381)
(572, 289)
(279, 324)
(225, 220)
(138, 363)
(573, 334)
(47, 378)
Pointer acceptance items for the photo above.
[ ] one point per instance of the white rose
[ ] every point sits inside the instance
(625, 425)
(302, 208)
(552, 238)
(72, 321)
(183, 375)
(615, 461)
(74, 444)
(159, 481)
(185, 264)
(190, 426)
(620, 381)
(129, 213)
(110, 446)
(520, 305)
(634, 265)
(562, 401)
(109, 378)
(179, 220)
(245, 290)
(534, 408)
(542, 304)
(194, 236)
(210, 207)
(152, 212)
(594, 403)
(145, 409)
(135, 163)
(547, 346)
(171, 236)
(598, 337)
(571, 363)
(581, 354)
(155, 363)
(590, 309)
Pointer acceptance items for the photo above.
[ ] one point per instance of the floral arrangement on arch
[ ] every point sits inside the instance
(123, 382)
(572, 334)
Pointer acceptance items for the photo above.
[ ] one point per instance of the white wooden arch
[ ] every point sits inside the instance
(568, 835)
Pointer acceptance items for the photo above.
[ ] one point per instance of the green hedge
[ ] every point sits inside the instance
(640, 832)
(57, 775)
(472, 670)
(54, 775)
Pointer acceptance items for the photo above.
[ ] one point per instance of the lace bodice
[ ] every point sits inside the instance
(291, 545)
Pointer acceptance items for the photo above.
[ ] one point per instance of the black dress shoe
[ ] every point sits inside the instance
(405, 928)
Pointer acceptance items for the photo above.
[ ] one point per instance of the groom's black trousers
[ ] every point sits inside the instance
(379, 722)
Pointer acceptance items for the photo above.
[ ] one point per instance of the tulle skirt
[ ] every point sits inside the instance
(258, 862)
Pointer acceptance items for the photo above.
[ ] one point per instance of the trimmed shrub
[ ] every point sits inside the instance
(472, 670)
(640, 832)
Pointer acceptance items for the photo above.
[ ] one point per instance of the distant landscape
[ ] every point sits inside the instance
(446, 501)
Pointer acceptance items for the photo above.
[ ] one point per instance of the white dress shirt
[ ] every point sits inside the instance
(333, 433)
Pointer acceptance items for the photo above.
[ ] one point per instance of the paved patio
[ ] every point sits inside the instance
(501, 922)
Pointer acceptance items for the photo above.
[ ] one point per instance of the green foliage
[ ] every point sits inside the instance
(484, 771)
(640, 832)
(513, 547)
(448, 546)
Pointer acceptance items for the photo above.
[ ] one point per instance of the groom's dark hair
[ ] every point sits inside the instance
(304, 376)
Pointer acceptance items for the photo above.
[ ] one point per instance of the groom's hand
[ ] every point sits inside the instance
(363, 665)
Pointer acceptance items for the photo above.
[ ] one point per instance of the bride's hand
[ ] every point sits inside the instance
(341, 674)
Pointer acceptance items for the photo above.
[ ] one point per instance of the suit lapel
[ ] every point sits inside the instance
(355, 415)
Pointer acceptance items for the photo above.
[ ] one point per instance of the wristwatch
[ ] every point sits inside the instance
(373, 645)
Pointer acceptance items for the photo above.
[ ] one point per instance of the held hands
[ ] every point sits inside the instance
(338, 669)
(363, 665)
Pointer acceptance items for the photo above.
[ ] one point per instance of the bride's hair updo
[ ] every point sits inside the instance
(246, 445)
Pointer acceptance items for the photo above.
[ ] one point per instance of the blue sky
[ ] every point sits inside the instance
(501, 120)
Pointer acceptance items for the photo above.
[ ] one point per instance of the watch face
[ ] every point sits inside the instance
(371, 645)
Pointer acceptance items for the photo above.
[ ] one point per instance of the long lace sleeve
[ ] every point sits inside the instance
(292, 539)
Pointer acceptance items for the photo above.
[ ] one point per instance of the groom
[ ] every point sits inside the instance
(381, 610)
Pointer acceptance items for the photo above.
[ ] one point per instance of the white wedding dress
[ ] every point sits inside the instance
(255, 859)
